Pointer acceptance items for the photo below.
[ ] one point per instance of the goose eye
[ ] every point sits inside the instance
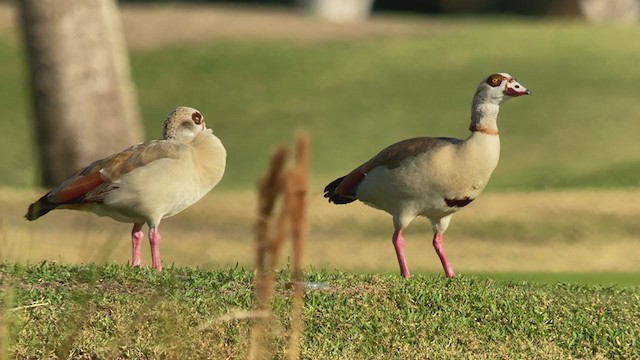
(197, 118)
(495, 80)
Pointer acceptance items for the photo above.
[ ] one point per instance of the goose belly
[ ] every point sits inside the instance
(423, 187)
(159, 190)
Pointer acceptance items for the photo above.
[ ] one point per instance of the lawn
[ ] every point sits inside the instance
(113, 311)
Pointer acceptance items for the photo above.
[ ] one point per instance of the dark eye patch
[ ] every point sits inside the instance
(197, 118)
(495, 80)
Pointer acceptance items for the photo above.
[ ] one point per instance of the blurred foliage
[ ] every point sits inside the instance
(523, 7)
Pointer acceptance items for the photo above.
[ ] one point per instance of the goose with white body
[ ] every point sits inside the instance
(147, 182)
(432, 177)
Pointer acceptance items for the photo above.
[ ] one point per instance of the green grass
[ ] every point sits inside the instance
(17, 162)
(112, 311)
(356, 96)
(604, 278)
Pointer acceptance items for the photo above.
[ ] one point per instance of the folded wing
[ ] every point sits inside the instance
(94, 182)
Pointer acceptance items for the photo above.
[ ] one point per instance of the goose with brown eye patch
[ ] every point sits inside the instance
(432, 177)
(147, 182)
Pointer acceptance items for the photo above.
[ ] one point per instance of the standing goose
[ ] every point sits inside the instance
(432, 177)
(146, 182)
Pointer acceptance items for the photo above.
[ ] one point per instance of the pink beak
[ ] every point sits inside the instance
(514, 89)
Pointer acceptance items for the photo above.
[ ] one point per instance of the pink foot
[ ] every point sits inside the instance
(154, 240)
(439, 246)
(136, 239)
(398, 244)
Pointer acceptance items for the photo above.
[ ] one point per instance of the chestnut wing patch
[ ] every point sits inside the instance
(92, 183)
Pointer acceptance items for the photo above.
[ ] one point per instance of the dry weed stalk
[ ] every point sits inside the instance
(30, 306)
(297, 189)
(292, 186)
(269, 187)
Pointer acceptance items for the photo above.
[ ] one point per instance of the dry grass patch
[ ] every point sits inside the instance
(151, 26)
(500, 232)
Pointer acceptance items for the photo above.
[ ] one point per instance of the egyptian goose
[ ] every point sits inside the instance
(146, 182)
(432, 177)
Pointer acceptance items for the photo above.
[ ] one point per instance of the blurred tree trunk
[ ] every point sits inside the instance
(612, 11)
(84, 102)
(339, 10)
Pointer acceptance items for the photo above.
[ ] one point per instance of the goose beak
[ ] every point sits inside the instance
(514, 89)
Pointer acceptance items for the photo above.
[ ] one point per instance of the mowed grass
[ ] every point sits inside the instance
(117, 312)
(358, 95)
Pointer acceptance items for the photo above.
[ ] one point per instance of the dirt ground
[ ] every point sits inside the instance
(150, 26)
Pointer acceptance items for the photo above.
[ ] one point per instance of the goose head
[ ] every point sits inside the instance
(183, 124)
(498, 88)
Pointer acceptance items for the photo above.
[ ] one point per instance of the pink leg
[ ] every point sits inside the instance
(154, 240)
(439, 246)
(136, 238)
(398, 244)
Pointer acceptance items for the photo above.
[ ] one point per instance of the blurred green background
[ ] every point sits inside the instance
(357, 94)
